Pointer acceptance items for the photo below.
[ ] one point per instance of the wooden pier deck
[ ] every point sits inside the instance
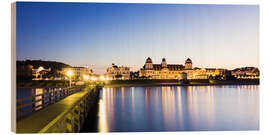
(42, 120)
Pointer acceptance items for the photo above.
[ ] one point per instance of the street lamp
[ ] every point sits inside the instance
(69, 74)
(86, 77)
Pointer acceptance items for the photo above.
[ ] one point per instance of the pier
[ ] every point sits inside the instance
(66, 115)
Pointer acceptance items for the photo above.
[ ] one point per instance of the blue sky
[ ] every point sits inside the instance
(98, 34)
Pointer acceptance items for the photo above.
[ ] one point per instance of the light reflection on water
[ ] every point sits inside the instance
(179, 108)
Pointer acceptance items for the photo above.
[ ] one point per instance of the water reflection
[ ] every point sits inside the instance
(179, 108)
(103, 125)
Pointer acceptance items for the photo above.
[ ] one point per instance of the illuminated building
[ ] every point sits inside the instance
(246, 73)
(38, 72)
(79, 72)
(174, 71)
(164, 70)
(188, 64)
(118, 72)
(205, 73)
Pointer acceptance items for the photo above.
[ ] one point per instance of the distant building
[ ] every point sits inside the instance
(78, 72)
(134, 75)
(205, 73)
(188, 64)
(246, 73)
(175, 71)
(118, 72)
(39, 72)
(163, 70)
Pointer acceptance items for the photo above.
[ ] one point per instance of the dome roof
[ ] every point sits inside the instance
(188, 60)
(148, 60)
(163, 59)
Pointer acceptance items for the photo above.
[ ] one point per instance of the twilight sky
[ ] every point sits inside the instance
(98, 34)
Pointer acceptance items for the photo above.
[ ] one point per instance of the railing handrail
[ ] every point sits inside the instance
(44, 87)
(47, 97)
(61, 116)
(30, 97)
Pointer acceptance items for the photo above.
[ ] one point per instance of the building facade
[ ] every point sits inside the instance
(118, 72)
(246, 73)
(205, 73)
(175, 71)
(39, 72)
(163, 70)
(78, 72)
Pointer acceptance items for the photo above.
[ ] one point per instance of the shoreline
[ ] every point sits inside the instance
(176, 84)
(133, 83)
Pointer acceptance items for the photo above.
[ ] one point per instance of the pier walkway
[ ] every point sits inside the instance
(66, 115)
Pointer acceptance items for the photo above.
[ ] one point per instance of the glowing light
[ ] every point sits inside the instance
(86, 77)
(103, 120)
(102, 78)
(93, 78)
(40, 69)
(69, 73)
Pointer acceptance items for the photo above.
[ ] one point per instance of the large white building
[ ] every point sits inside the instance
(118, 72)
(164, 70)
(176, 71)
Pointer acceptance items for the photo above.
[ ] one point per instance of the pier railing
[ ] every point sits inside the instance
(36, 102)
(72, 119)
(67, 115)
